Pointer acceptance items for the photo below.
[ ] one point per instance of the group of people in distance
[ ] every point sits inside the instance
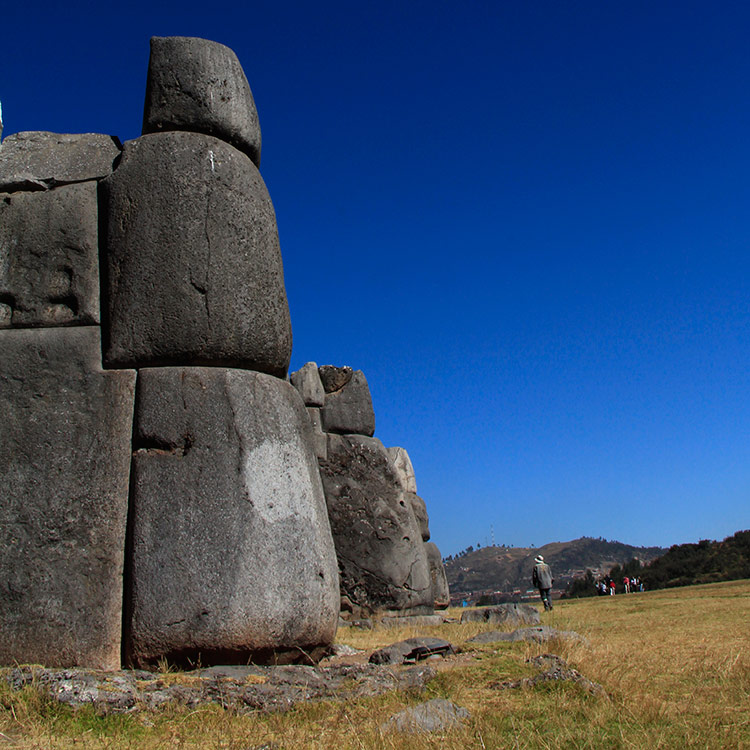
(542, 579)
(606, 586)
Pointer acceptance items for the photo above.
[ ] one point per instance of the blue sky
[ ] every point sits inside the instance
(526, 222)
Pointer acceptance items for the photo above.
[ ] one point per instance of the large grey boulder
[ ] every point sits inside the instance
(232, 555)
(37, 160)
(199, 85)
(510, 614)
(194, 268)
(49, 257)
(404, 468)
(348, 410)
(382, 561)
(440, 592)
(64, 467)
(307, 381)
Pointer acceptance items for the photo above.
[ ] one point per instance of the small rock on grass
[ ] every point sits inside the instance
(436, 715)
(541, 634)
(412, 649)
(342, 649)
(555, 669)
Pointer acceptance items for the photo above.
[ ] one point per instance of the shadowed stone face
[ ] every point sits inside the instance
(194, 267)
(49, 258)
(440, 591)
(232, 555)
(381, 556)
(64, 466)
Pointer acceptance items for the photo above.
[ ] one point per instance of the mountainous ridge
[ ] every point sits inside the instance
(507, 570)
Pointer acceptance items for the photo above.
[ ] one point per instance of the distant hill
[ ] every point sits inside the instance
(489, 570)
(704, 562)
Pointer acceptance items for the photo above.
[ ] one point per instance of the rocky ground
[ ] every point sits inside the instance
(345, 675)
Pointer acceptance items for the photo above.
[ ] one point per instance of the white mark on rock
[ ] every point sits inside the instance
(277, 481)
(211, 159)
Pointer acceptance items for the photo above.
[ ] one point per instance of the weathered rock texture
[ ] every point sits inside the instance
(379, 523)
(419, 509)
(511, 614)
(404, 469)
(232, 557)
(379, 546)
(334, 378)
(348, 410)
(540, 634)
(411, 650)
(201, 531)
(241, 688)
(440, 592)
(199, 85)
(436, 715)
(194, 267)
(40, 160)
(49, 257)
(307, 381)
(64, 465)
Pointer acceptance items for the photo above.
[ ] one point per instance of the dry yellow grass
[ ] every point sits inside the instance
(675, 665)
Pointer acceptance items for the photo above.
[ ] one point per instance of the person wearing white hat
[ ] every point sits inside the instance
(542, 578)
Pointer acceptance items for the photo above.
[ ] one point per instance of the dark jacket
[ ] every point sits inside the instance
(542, 576)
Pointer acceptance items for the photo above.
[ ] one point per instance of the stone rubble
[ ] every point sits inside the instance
(242, 689)
(554, 669)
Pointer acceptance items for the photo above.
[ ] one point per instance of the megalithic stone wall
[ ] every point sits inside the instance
(229, 550)
(66, 423)
(194, 272)
(379, 523)
(232, 557)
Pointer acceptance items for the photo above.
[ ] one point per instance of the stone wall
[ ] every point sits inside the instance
(165, 492)
(380, 525)
(159, 478)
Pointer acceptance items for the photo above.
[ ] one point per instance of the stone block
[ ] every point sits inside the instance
(382, 561)
(348, 411)
(334, 378)
(440, 593)
(49, 257)
(198, 85)
(232, 555)
(404, 468)
(194, 268)
(37, 160)
(320, 441)
(307, 381)
(64, 468)
(419, 509)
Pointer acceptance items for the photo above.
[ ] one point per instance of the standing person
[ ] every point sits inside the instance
(542, 579)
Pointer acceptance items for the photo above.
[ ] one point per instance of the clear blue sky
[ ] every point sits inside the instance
(527, 222)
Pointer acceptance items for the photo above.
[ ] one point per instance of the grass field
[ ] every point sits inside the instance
(675, 666)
